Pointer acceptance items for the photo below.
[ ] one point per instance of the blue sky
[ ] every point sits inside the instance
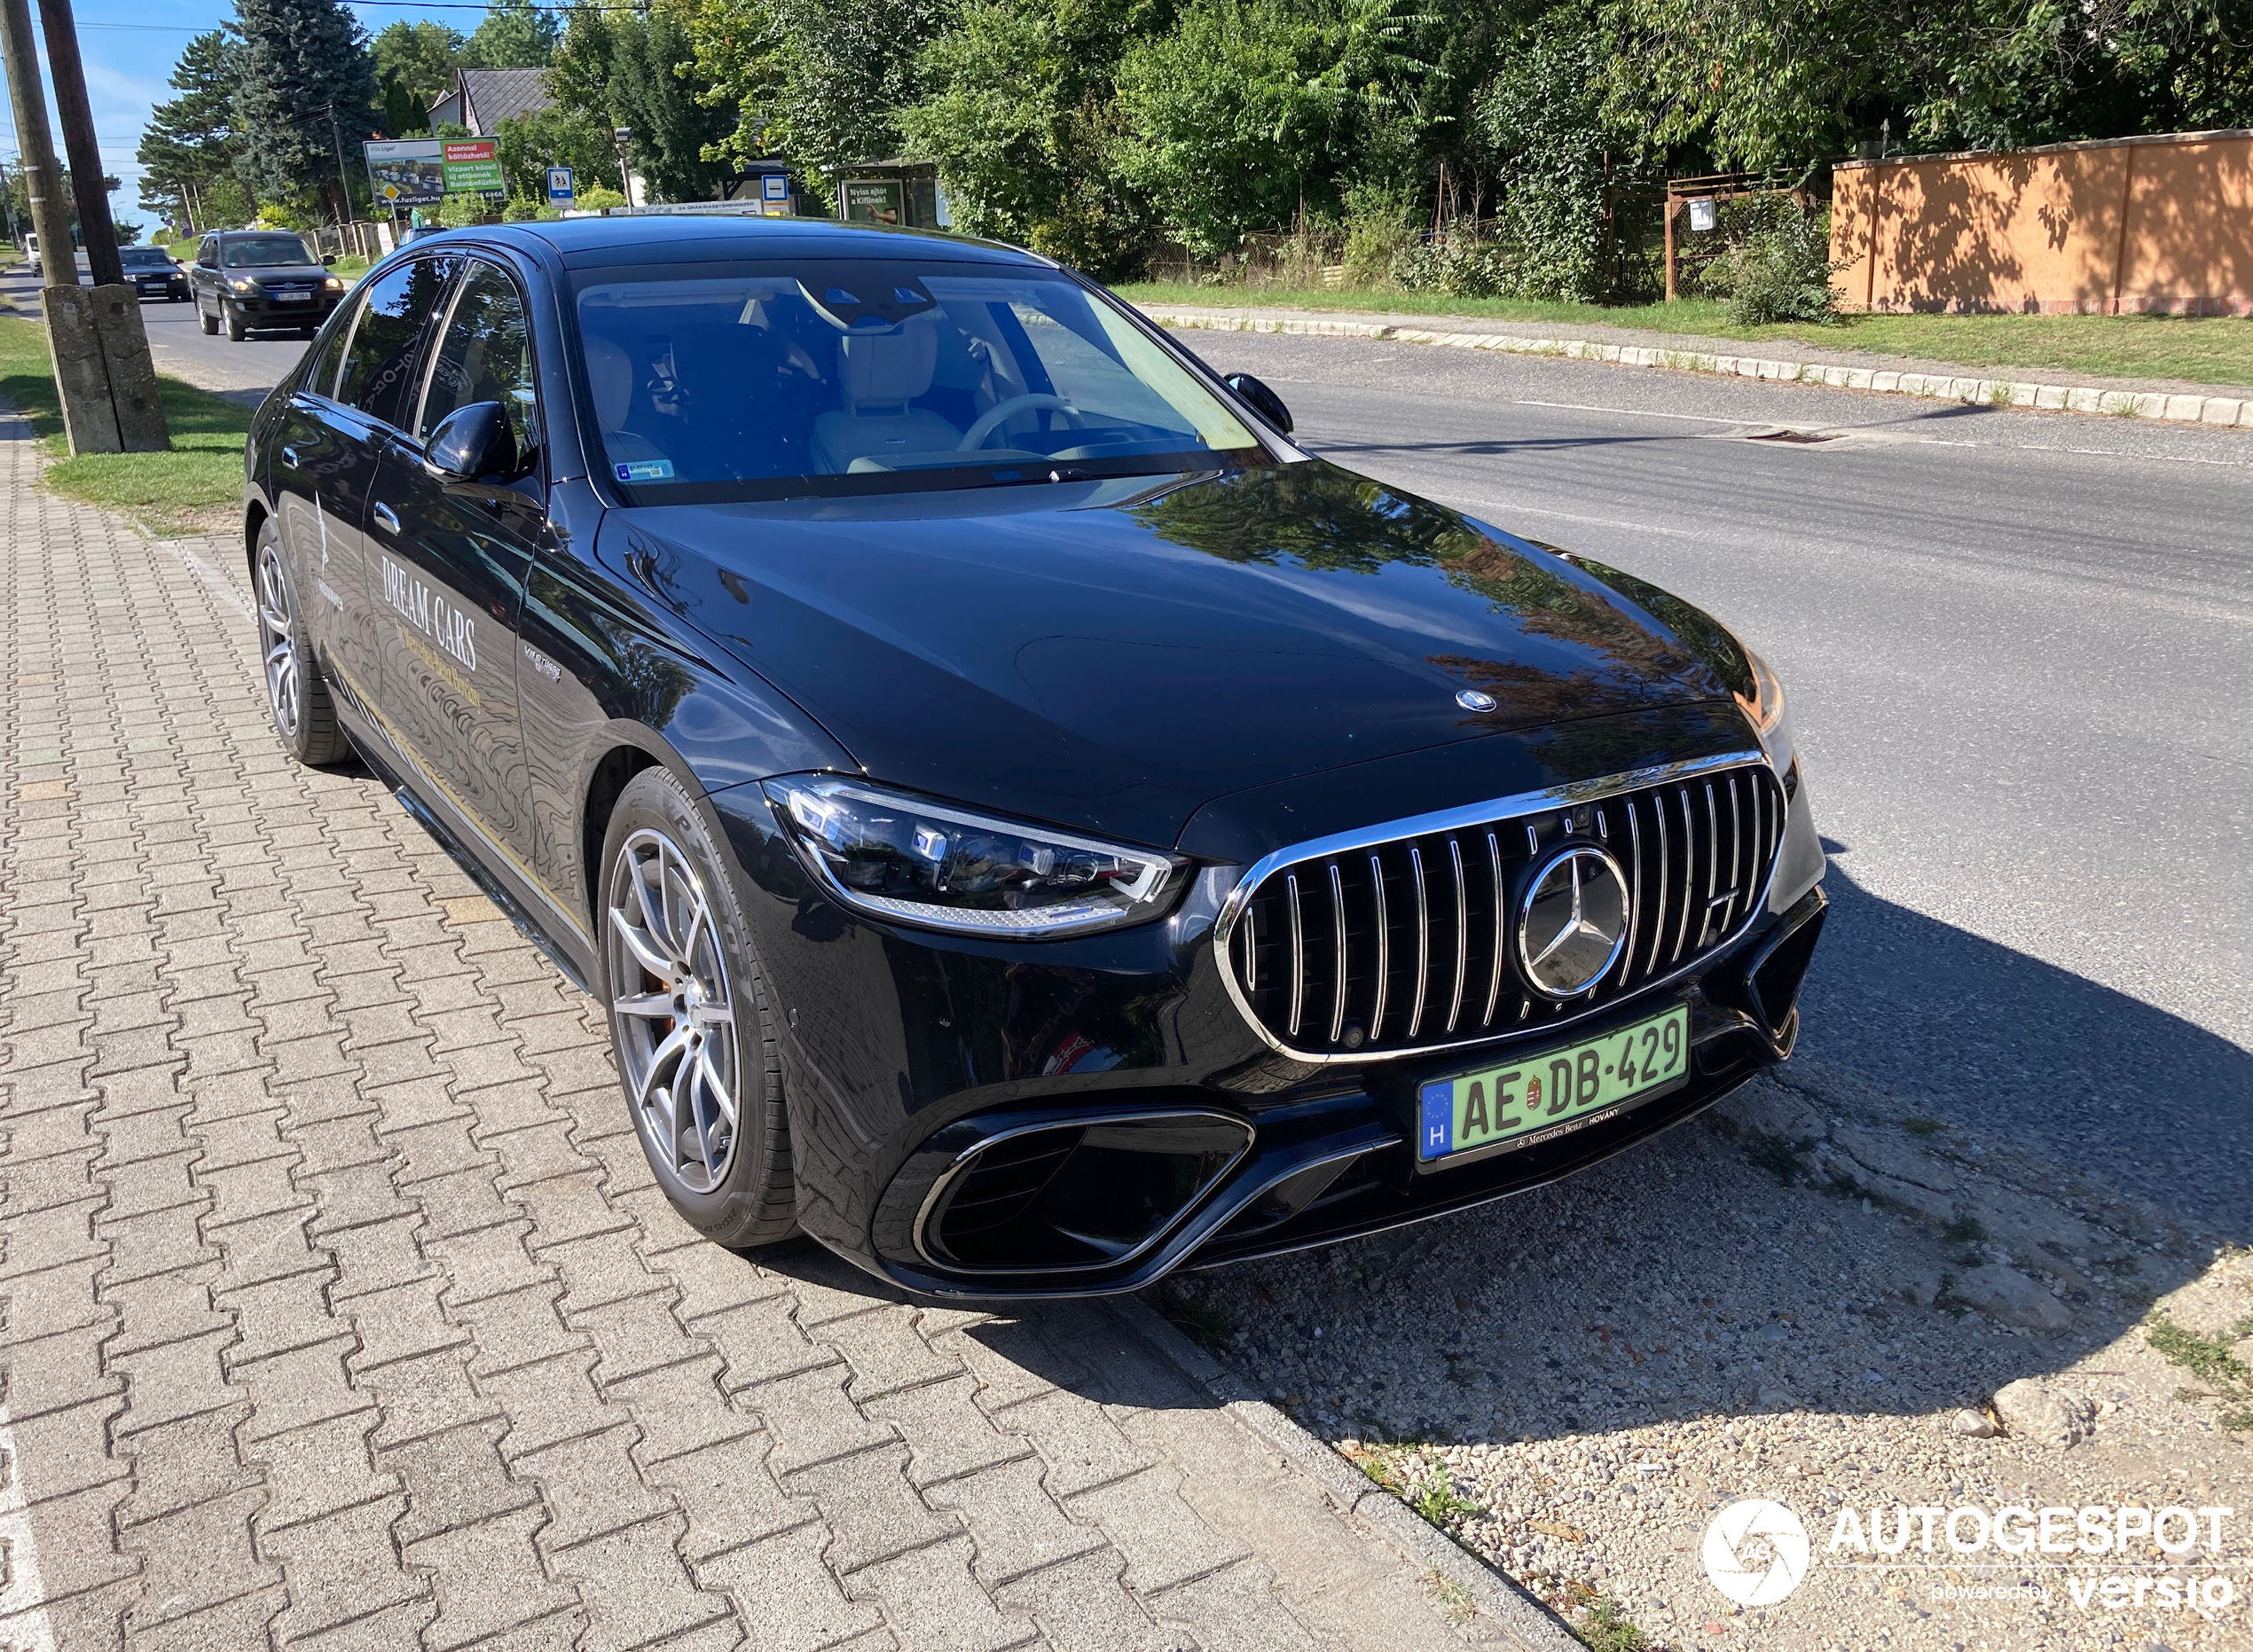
(129, 51)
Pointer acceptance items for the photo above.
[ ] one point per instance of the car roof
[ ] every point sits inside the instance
(688, 237)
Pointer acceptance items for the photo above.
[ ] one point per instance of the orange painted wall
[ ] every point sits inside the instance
(2042, 230)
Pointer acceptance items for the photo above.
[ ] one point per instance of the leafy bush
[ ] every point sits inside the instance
(1776, 266)
(1380, 226)
(520, 211)
(459, 211)
(1461, 264)
(597, 196)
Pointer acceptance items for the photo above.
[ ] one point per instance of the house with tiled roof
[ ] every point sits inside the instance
(481, 99)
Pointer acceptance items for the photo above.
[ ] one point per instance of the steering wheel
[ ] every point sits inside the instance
(993, 419)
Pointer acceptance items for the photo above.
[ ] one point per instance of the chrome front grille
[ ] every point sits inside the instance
(1403, 938)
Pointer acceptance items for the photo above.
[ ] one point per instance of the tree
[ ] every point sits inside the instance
(632, 69)
(304, 64)
(1023, 121)
(414, 66)
(1542, 119)
(819, 80)
(530, 144)
(515, 35)
(193, 141)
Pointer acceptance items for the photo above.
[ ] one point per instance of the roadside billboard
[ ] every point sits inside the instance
(474, 166)
(407, 171)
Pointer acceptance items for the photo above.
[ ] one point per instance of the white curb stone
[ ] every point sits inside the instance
(2221, 410)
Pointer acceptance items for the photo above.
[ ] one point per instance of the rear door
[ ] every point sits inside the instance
(451, 559)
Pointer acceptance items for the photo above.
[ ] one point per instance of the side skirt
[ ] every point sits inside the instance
(444, 832)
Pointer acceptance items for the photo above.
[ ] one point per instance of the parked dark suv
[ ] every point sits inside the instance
(258, 280)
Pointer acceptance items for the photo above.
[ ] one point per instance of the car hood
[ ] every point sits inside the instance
(1112, 655)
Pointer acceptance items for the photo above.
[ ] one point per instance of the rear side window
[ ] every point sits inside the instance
(379, 365)
(484, 355)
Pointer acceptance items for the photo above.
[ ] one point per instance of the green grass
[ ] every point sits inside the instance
(2202, 349)
(194, 489)
(2211, 1360)
(1603, 1629)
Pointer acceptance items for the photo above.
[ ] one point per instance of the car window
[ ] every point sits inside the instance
(145, 257)
(767, 380)
(264, 252)
(379, 373)
(207, 254)
(484, 355)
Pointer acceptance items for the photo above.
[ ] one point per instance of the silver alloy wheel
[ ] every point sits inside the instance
(672, 1010)
(278, 640)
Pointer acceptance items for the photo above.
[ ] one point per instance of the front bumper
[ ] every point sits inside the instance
(260, 311)
(905, 1053)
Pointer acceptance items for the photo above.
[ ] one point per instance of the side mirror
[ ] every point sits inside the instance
(329, 260)
(472, 443)
(1264, 402)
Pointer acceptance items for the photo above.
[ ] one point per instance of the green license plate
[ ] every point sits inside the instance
(1553, 1090)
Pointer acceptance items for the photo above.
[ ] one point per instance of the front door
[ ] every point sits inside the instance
(448, 563)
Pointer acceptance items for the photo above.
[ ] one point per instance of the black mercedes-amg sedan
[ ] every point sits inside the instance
(1032, 825)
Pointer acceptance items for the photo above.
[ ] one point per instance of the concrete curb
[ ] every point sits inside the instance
(1528, 1623)
(2221, 412)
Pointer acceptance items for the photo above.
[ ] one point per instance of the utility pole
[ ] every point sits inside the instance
(100, 355)
(43, 182)
(76, 117)
(343, 178)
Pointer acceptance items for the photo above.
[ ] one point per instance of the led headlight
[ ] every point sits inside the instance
(918, 862)
(1770, 712)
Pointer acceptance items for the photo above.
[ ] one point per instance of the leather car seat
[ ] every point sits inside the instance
(879, 373)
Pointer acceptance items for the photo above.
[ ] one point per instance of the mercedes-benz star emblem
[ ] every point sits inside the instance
(1474, 700)
(1574, 923)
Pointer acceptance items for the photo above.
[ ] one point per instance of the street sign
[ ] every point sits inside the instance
(559, 192)
(474, 166)
(774, 186)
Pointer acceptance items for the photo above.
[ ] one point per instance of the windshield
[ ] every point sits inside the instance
(260, 252)
(145, 257)
(768, 381)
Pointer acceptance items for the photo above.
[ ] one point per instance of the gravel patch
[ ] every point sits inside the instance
(1812, 1295)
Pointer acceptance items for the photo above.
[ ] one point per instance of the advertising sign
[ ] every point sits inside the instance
(872, 200)
(407, 171)
(559, 192)
(474, 165)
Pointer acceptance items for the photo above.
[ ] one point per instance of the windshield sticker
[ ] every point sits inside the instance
(646, 470)
(450, 628)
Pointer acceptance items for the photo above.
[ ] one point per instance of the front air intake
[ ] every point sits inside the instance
(1072, 1196)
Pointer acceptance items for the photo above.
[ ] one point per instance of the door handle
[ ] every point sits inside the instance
(384, 518)
(290, 456)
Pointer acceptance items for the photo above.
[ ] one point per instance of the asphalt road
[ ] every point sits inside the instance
(244, 372)
(2018, 648)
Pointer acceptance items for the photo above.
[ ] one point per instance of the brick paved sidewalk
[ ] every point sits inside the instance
(341, 1308)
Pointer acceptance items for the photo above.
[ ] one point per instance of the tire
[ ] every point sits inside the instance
(297, 699)
(681, 983)
(210, 323)
(236, 331)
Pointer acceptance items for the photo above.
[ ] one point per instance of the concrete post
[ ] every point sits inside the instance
(82, 375)
(116, 311)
